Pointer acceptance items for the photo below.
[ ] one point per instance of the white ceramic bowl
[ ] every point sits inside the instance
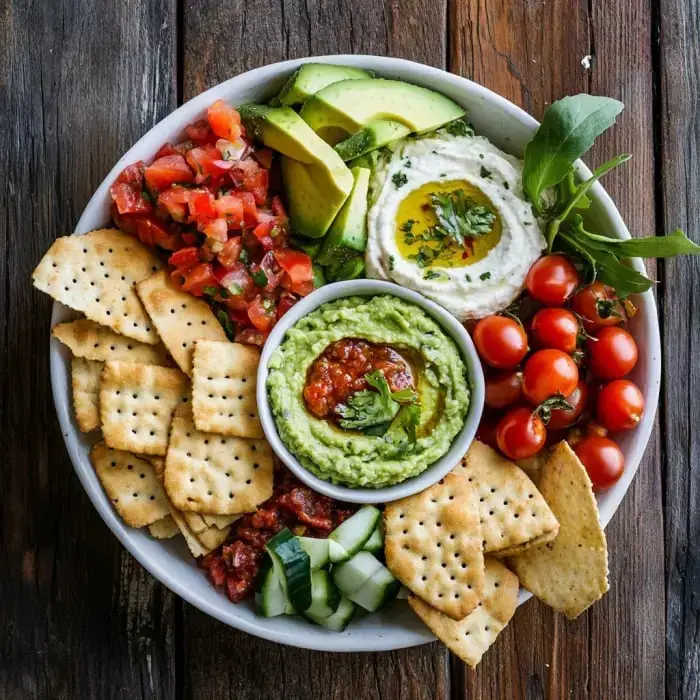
(435, 471)
(507, 126)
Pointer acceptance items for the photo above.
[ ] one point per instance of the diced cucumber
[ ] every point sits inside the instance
(356, 530)
(351, 575)
(375, 543)
(376, 592)
(325, 596)
(317, 550)
(336, 552)
(340, 619)
(293, 566)
(271, 599)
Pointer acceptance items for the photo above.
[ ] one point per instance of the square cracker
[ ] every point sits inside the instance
(164, 529)
(224, 381)
(93, 341)
(96, 273)
(137, 403)
(513, 513)
(433, 545)
(208, 473)
(131, 484)
(195, 546)
(219, 521)
(85, 378)
(571, 572)
(471, 637)
(179, 317)
(212, 537)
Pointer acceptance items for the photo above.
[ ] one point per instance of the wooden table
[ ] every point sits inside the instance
(80, 81)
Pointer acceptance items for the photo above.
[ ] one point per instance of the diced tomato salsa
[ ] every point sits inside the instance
(206, 201)
(340, 372)
(235, 565)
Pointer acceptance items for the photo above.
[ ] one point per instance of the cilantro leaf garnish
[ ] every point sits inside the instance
(460, 217)
(399, 179)
(259, 277)
(226, 322)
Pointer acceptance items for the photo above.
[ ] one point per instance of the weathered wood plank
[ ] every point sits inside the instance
(221, 41)
(79, 81)
(679, 131)
(531, 52)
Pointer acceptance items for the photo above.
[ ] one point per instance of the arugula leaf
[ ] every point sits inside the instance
(568, 129)
(674, 243)
(459, 216)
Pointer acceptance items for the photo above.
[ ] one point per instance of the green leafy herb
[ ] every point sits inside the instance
(568, 130)
(460, 217)
(485, 172)
(459, 127)
(392, 263)
(259, 277)
(407, 163)
(374, 410)
(407, 225)
(244, 256)
(408, 418)
(468, 277)
(399, 179)
(433, 275)
(485, 276)
(212, 291)
(226, 323)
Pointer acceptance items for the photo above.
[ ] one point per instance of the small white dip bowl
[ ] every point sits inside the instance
(433, 472)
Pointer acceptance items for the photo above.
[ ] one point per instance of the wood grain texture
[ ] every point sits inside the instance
(255, 34)
(79, 619)
(679, 133)
(531, 53)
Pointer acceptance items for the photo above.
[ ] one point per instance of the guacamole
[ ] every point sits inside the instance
(420, 366)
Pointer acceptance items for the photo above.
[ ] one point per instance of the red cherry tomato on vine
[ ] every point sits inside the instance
(552, 280)
(503, 389)
(548, 373)
(620, 405)
(598, 305)
(500, 341)
(603, 460)
(563, 417)
(612, 353)
(521, 433)
(555, 328)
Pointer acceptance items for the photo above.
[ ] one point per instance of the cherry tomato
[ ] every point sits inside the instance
(520, 433)
(598, 305)
(548, 373)
(500, 341)
(486, 432)
(603, 460)
(555, 328)
(552, 280)
(620, 405)
(503, 389)
(562, 417)
(612, 353)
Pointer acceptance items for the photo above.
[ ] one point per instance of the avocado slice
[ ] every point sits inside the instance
(375, 135)
(349, 105)
(314, 198)
(347, 236)
(312, 77)
(310, 246)
(350, 269)
(283, 130)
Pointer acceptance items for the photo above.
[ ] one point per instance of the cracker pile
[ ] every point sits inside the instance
(181, 449)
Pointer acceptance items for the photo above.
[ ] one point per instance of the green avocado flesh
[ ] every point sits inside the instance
(373, 136)
(312, 77)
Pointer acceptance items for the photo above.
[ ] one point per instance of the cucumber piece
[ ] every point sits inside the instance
(340, 619)
(375, 543)
(352, 575)
(356, 530)
(293, 566)
(336, 552)
(317, 550)
(271, 599)
(325, 596)
(377, 592)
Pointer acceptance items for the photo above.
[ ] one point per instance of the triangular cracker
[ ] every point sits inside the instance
(164, 529)
(96, 273)
(131, 484)
(85, 378)
(179, 317)
(513, 513)
(93, 341)
(219, 521)
(224, 381)
(471, 637)
(433, 545)
(137, 403)
(209, 473)
(571, 572)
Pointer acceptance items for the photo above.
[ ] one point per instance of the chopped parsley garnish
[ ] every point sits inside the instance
(407, 163)
(468, 278)
(399, 179)
(373, 411)
(460, 217)
(433, 275)
(259, 277)
(459, 127)
(485, 276)
(506, 185)
(392, 263)
(226, 323)
(244, 256)
(443, 174)
(407, 225)
(481, 155)
(212, 291)
(485, 172)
